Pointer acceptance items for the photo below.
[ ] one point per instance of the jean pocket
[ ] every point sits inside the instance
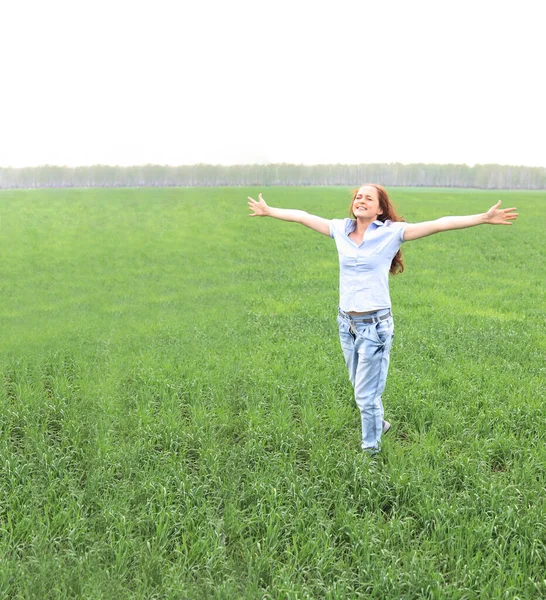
(345, 334)
(382, 332)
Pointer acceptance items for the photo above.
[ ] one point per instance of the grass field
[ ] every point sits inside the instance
(177, 421)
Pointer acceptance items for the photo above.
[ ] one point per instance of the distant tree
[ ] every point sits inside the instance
(393, 174)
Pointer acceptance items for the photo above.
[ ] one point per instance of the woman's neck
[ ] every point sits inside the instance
(362, 225)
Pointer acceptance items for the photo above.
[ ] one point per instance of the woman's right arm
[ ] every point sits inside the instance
(261, 209)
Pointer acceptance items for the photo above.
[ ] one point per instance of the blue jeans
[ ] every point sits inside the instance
(366, 348)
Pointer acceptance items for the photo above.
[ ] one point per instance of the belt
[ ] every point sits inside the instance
(362, 319)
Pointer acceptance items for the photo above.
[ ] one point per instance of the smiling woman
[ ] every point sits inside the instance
(368, 245)
(362, 202)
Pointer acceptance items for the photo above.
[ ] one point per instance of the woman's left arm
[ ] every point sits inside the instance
(494, 216)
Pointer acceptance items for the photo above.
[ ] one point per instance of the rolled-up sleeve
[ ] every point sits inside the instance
(401, 226)
(336, 226)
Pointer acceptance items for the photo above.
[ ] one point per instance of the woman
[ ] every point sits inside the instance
(369, 248)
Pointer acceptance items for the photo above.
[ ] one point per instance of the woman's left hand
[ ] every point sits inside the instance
(496, 216)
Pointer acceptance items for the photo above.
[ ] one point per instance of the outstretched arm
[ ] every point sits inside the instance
(261, 209)
(494, 216)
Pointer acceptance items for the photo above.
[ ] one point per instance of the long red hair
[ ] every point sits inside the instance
(388, 214)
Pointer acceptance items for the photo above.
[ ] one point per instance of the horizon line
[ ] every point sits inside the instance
(272, 164)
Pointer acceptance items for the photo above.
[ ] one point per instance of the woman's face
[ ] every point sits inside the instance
(366, 203)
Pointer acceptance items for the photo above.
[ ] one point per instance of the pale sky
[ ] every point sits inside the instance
(229, 82)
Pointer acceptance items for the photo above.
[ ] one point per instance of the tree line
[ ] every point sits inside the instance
(389, 174)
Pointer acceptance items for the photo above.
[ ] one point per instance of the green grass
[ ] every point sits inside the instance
(176, 420)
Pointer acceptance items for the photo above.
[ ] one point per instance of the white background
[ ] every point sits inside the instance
(181, 82)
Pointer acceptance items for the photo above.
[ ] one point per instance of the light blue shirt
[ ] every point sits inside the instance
(364, 269)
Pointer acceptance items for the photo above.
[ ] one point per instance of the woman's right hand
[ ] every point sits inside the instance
(260, 208)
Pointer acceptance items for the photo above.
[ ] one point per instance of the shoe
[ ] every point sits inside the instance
(386, 427)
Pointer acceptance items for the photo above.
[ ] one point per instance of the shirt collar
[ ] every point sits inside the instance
(351, 225)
